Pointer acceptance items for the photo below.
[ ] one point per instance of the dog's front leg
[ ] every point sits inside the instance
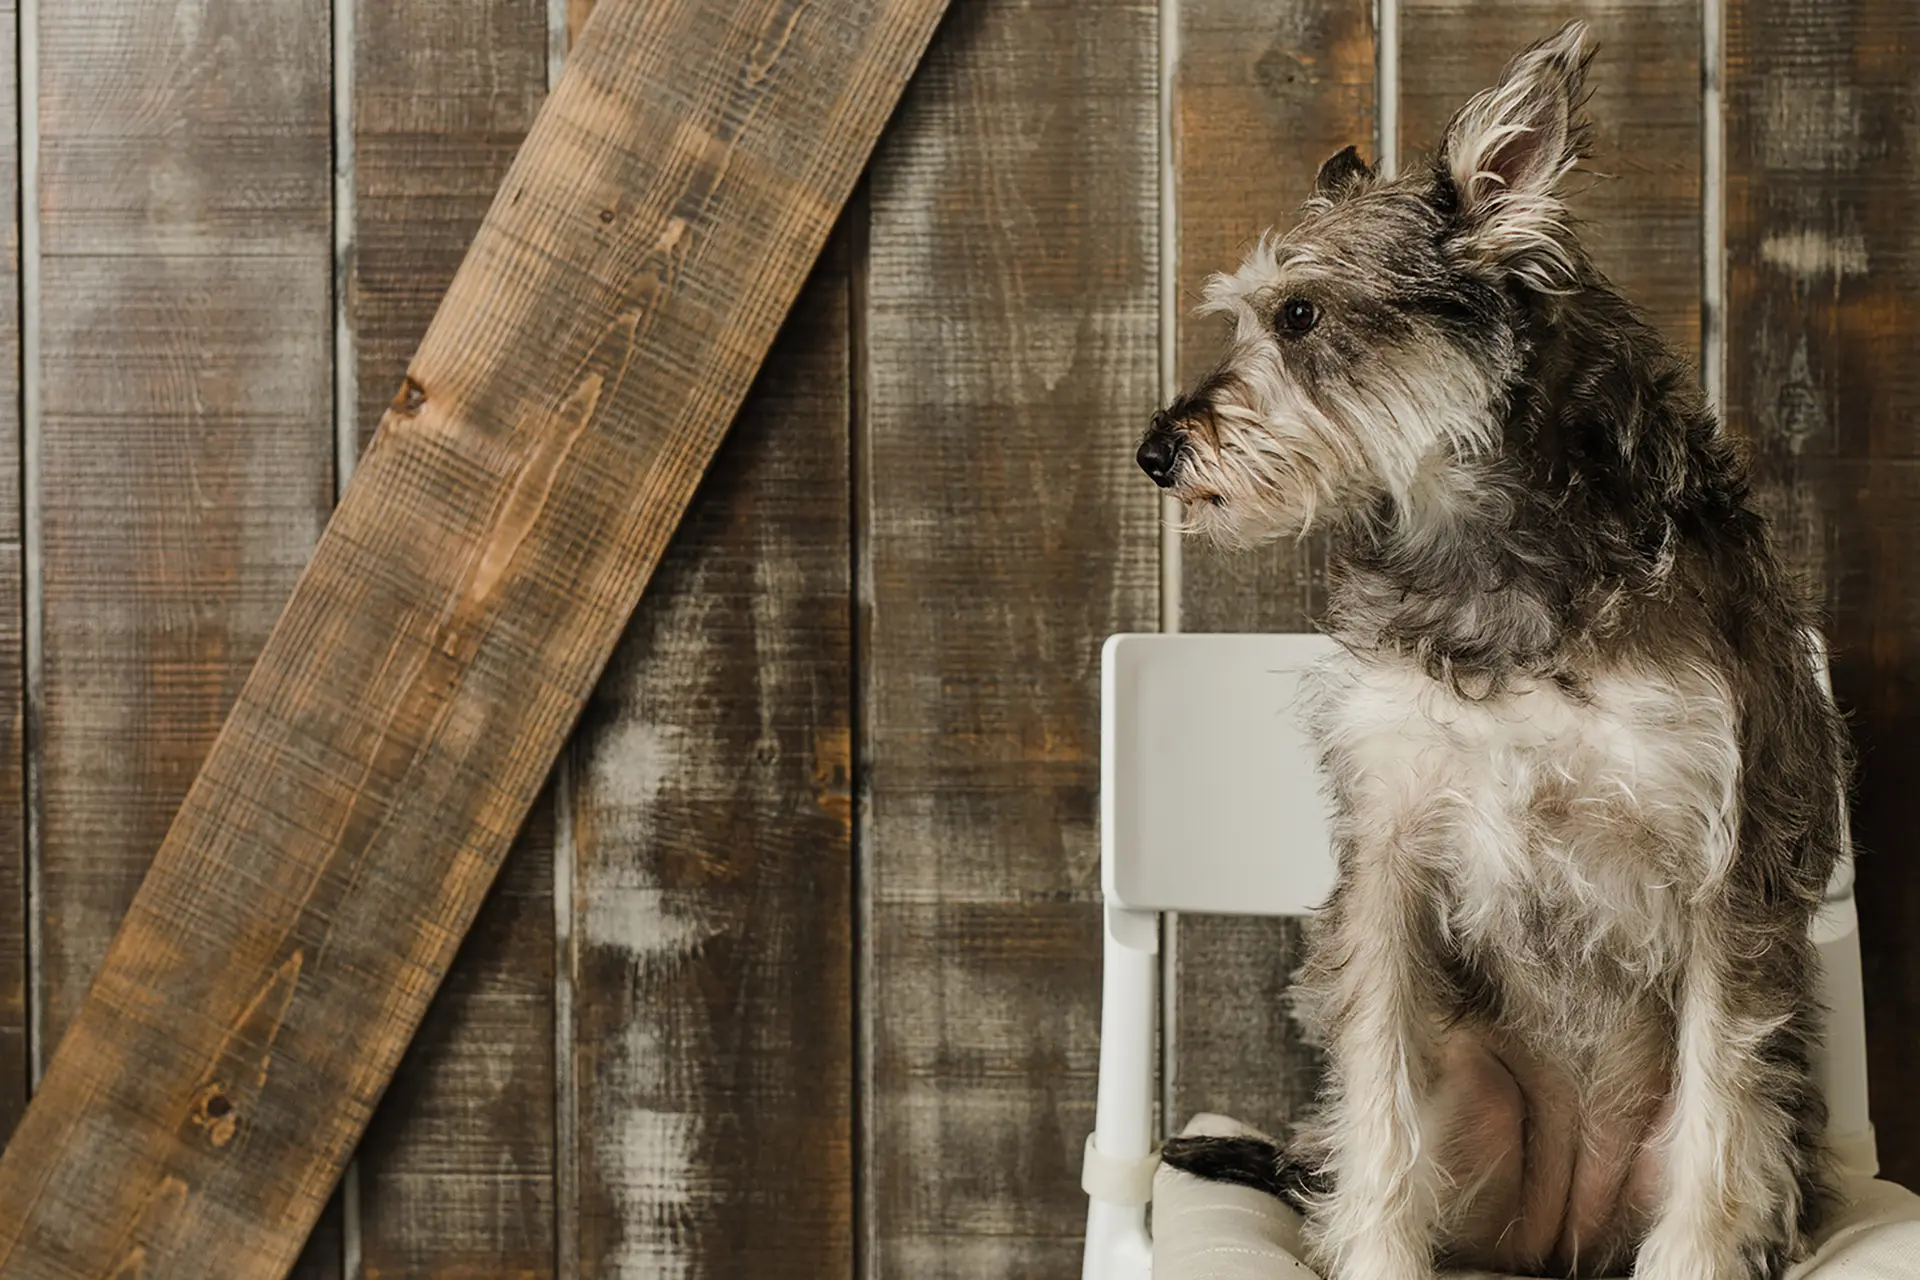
(1741, 1151)
(1371, 980)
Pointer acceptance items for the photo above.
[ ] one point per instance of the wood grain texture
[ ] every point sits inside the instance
(186, 465)
(456, 1169)
(1263, 94)
(444, 92)
(186, 468)
(711, 821)
(15, 1067)
(1823, 301)
(1010, 311)
(1639, 198)
(305, 904)
(456, 1173)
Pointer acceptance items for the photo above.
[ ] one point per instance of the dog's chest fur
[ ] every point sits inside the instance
(1562, 831)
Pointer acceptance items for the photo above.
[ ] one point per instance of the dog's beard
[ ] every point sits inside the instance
(1278, 456)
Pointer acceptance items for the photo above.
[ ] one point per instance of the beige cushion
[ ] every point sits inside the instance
(1207, 1231)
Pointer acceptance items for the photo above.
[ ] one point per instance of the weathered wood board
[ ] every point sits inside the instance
(336, 845)
(184, 434)
(1263, 93)
(1010, 321)
(709, 812)
(1823, 305)
(456, 1175)
(183, 446)
(799, 979)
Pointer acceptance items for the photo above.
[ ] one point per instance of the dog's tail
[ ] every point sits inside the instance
(1247, 1162)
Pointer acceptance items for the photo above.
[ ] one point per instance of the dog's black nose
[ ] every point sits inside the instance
(1159, 452)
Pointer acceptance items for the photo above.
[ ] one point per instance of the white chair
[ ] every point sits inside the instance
(1211, 802)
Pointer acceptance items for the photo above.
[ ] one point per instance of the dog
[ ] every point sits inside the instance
(1587, 788)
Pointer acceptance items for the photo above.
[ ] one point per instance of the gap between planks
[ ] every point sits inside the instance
(566, 1099)
(33, 599)
(1386, 88)
(1713, 175)
(860, 580)
(346, 439)
(1170, 550)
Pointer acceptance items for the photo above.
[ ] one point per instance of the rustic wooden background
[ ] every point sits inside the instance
(795, 971)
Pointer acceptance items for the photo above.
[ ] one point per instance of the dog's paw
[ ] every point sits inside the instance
(1244, 1162)
(1378, 1258)
(1672, 1254)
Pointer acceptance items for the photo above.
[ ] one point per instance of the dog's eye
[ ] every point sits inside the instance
(1297, 315)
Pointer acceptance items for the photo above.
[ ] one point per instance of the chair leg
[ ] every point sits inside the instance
(1842, 1064)
(1121, 1153)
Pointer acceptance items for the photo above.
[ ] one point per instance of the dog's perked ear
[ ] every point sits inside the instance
(1343, 173)
(1506, 153)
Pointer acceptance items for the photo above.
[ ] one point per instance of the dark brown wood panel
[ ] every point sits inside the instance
(186, 464)
(15, 1067)
(456, 1170)
(1264, 92)
(1823, 302)
(456, 1174)
(185, 438)
(444, 92)
(1639, 197)
(711, 821)
(1010, 314)
(336, 845)
(15, 1047)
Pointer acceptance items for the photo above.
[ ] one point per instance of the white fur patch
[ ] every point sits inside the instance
(1616, 806)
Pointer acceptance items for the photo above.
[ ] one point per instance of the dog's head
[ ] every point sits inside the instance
(1378, 339)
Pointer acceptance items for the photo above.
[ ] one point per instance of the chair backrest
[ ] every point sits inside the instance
(1210, 790)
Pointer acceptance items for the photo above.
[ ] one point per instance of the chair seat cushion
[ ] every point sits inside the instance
(1210, 1231)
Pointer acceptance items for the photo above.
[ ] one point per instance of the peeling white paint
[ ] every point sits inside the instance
(624, 910)
(632, 760)
(649, 1162)
(1812, 256)
(659, 1182)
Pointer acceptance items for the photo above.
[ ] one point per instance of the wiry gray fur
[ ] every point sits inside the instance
(1589, 790)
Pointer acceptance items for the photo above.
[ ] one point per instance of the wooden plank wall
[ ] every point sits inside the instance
(794, 972)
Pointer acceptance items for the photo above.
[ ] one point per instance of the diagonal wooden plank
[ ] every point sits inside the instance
(578, 377)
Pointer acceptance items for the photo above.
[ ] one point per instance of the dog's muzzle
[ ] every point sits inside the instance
(1159, 454)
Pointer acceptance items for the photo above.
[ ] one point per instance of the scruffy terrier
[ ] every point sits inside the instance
(1587, 788)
